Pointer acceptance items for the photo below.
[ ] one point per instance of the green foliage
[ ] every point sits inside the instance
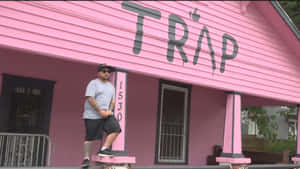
(281, 145)
(267, 126)
(292, 8)
(285, 113)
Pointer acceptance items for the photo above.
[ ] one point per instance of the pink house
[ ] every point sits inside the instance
(186, 69)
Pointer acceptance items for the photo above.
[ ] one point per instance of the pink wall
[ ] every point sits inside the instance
(142, 95)
(105, 32)
(66, 126)
(207, 123)
(207, 112)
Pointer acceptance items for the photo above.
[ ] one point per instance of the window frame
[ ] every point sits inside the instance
(164, 84)
(11, 81)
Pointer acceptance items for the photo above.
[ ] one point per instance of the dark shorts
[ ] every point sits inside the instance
(95, 127)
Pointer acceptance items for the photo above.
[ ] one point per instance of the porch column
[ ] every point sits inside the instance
(232, 146)
(296, 159)
(120, 78)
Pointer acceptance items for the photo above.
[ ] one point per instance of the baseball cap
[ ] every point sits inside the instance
(102, 66)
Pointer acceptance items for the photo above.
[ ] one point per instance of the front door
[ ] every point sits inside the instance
(173, 123)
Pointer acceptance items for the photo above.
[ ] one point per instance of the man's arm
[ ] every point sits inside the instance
(112, 105)
(93, 103)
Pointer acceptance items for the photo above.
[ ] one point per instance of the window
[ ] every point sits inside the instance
(25, 114)
(25, 104)
(172, 130)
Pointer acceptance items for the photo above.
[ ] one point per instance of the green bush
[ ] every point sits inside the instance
(281, 145)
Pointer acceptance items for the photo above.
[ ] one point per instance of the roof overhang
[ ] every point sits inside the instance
(281, 23)
(286, 18)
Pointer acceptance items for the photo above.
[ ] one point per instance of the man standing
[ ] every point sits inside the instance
(98, 113)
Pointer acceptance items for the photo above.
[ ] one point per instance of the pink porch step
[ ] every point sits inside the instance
(115, 159)
(233, 160)
(296, 159)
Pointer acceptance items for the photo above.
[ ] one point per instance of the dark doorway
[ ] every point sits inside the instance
(25, 105)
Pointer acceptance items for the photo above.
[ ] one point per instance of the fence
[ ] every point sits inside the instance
(24, 150)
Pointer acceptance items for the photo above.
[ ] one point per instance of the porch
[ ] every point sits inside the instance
(156, 132)
(266, 166)
(65, 112)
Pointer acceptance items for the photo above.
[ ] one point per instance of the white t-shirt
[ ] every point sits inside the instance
(103, 93)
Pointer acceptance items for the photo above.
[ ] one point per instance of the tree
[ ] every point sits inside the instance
(292, 8)
(267, 126)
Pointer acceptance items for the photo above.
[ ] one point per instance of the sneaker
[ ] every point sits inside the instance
(105, 153)
(85, 163)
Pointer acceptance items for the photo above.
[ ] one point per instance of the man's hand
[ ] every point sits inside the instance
(105, 114)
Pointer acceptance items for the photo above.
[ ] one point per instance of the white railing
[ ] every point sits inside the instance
(24, 150)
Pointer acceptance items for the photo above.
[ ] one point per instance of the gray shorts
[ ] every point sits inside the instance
(95, 127)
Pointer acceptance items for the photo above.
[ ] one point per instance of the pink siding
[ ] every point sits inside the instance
(248, 100)
(284, 31)
(104, 32)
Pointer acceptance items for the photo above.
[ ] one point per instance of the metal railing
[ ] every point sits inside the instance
(171, 142)
(263, 166)
(183, 167)
(260, 166)
(274, 166)
(24, 150)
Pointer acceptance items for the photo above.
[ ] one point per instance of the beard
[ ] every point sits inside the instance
(104, 77)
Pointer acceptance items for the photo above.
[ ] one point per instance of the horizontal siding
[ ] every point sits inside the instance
(104, 32)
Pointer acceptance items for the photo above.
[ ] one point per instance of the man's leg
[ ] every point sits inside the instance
(110, 139)
(87, 148)
(93, 126)
(112, 128)
(90, 126)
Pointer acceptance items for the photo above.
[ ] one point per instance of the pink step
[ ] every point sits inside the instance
(296, 159)
(115, 159)
(233, 160)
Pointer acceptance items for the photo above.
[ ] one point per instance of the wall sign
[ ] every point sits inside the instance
(172, 42)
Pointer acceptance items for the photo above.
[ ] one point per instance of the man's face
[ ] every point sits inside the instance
(104, 73)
